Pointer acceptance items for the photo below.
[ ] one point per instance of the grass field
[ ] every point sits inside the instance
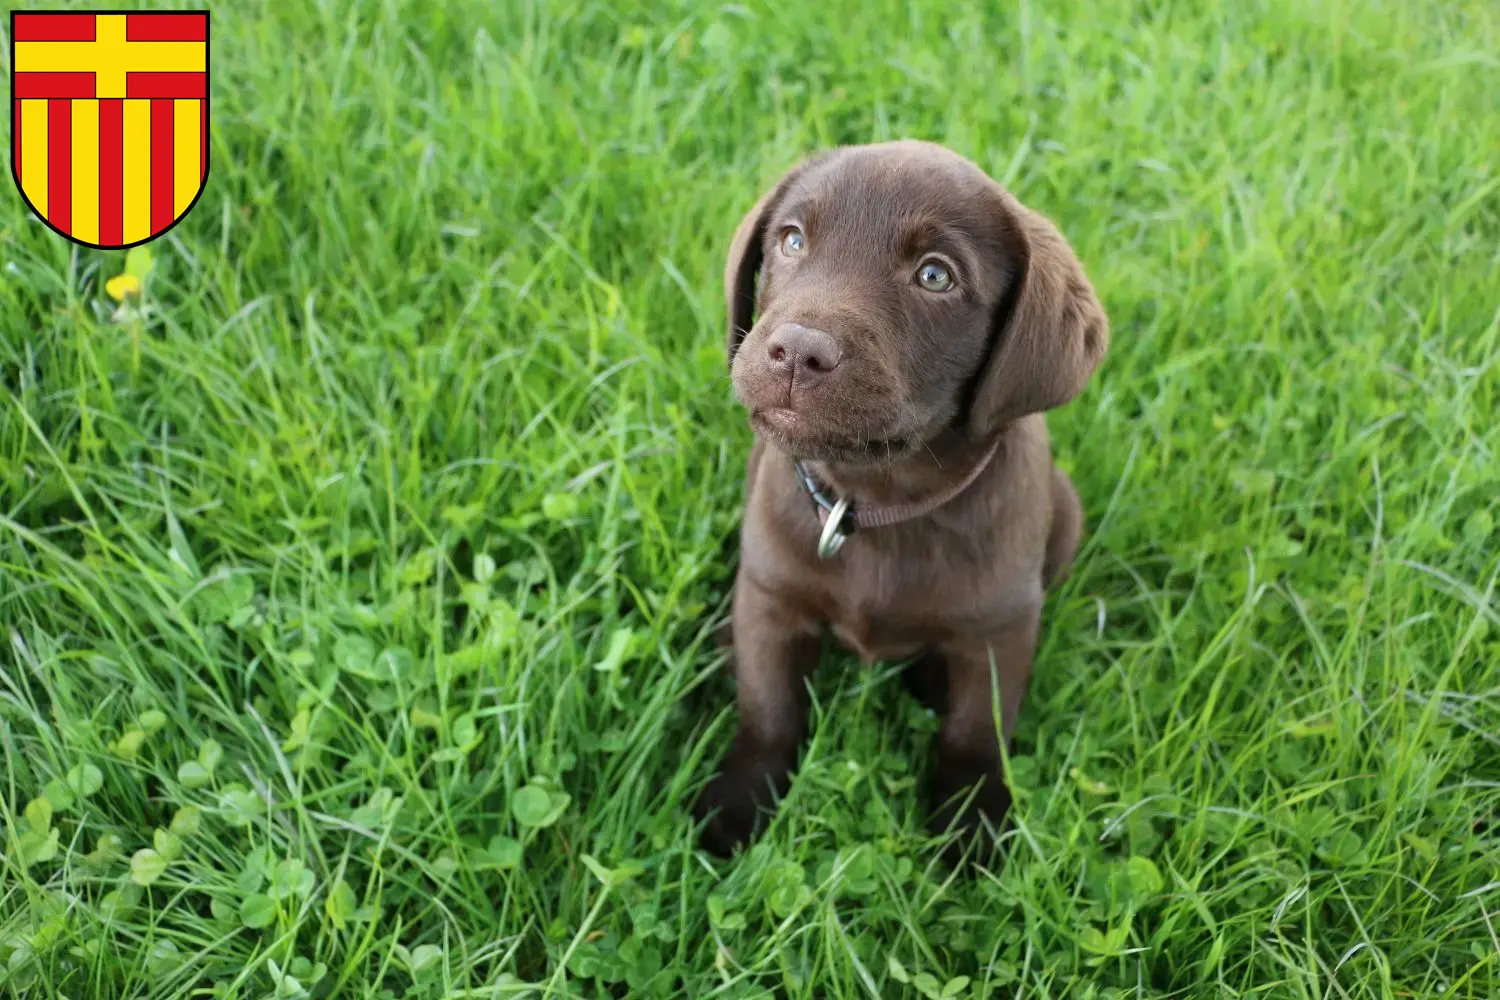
(355, 589)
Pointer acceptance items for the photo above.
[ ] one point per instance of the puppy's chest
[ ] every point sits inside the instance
(889, 600)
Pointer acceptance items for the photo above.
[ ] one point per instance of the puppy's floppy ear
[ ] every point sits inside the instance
(746, 250)
(1050, 332)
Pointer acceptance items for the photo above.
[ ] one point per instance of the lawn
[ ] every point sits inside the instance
(357, 583)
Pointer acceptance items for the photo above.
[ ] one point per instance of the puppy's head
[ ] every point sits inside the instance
(901, 292)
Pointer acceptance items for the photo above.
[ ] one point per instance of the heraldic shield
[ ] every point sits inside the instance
(109, 121)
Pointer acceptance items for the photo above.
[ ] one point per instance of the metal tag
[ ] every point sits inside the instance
(833, 538)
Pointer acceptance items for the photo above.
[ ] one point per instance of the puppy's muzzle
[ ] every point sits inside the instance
(801, 355)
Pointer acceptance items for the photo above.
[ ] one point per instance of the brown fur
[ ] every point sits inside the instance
(890, 391)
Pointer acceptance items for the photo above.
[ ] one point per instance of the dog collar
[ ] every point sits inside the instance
(840, 518)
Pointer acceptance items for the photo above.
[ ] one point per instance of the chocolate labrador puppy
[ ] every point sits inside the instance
(914, 322)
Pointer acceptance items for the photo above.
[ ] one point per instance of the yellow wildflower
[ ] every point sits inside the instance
(122, 285)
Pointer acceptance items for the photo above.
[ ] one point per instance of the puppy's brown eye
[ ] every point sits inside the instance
(934, 277)
(793, 242)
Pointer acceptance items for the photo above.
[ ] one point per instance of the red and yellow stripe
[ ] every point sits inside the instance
(110, 120)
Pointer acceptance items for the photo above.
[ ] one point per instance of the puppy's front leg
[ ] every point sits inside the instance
(776, 645)
(968, 746)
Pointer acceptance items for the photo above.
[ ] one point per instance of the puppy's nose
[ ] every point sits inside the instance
(801, 351)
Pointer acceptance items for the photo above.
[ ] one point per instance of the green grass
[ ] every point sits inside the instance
(365, 583)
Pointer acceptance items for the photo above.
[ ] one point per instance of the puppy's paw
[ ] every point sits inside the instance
(731, 812)
(736, 803)
(974, 817)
